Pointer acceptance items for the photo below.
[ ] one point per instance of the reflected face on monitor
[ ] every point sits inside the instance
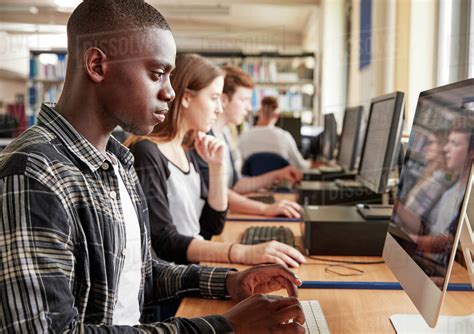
(434, 180)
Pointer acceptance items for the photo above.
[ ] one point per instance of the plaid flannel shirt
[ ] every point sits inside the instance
(62, 239)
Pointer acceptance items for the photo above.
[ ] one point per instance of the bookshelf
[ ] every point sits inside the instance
(291, 77)
(45, 81)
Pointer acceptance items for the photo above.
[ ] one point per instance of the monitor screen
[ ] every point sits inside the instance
(292, 125)
(382, 141)
(430, 202)
(329, 136)
(349, 145)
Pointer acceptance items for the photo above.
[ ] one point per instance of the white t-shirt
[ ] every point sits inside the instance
(271, 139)
(185, 202)
(127, 309)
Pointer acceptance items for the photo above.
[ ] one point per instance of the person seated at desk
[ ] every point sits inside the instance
(183, 212)
(74, 232)
(236, 104)
(265, 137)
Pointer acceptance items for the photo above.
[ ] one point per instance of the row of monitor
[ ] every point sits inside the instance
(380, 147)
(434, 186)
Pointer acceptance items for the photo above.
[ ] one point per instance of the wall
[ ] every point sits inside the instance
(422, 54)
(311, 43)
(403, 52)
(9, 88)
(333, 59)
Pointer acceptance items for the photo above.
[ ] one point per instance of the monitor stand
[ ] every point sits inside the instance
(414, 323)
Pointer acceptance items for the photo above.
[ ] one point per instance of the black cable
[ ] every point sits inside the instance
(346, 262)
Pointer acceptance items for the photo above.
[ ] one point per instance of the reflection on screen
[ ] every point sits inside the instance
(434, 179)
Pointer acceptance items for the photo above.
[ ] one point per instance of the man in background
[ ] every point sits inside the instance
(265, 137)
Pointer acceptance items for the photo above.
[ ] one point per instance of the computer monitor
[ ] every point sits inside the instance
(329, 139)
(349, 143)
(382, 141)
(292, 125)
(432, 197)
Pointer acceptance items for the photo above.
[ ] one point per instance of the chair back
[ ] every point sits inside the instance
(261, 163)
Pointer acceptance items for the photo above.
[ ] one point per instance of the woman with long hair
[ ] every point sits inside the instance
(183, 212)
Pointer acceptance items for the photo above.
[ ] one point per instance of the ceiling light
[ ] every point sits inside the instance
(67, 3)
(33, 10)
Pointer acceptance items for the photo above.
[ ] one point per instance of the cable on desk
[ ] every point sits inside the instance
(345, 262)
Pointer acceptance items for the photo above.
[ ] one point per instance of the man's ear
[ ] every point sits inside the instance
(224, 100)
(276, 116)
(95, 64)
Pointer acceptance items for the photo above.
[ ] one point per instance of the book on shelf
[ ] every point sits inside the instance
(46, 71)
(288, 100)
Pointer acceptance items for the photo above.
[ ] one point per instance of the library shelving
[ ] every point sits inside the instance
(290, 77)
(45, 82)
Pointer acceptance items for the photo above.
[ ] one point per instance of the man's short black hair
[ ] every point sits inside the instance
(95, 19)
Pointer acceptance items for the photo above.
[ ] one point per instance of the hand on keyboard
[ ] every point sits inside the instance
(261, 279)
(268, 252)
(266, 314)
(285, 208)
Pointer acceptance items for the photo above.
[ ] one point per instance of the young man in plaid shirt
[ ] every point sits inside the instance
(74, 235)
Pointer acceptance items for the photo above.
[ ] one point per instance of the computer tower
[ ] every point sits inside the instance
(329, 193)
(341, 230)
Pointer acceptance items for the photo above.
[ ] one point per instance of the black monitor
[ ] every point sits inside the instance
(382, 141)
(329, 139)
(429, 216)
(349, 144)
(292, 125)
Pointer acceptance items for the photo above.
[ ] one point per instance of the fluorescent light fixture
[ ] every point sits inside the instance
(67, 3)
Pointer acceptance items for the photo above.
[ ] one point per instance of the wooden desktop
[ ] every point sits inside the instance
(346, 310)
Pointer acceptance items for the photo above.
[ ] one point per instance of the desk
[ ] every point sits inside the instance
(346, 311)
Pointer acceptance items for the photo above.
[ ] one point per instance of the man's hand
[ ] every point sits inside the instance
(288, 173)
(284, 207)
(266, 314)
(210, 148)
(261, 279)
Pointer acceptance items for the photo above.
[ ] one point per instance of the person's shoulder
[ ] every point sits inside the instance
(283, 133)
(144, 146)
(252, 132)
(277, 129)
(36, 148)
(149, 158)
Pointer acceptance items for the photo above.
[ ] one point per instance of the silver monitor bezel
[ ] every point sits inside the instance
(422, 291)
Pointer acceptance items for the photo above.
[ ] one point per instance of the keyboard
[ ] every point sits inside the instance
(315, 320)
(283, 186)
(268, 199)
(259, 234)
(330, 169)
(348, 183)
